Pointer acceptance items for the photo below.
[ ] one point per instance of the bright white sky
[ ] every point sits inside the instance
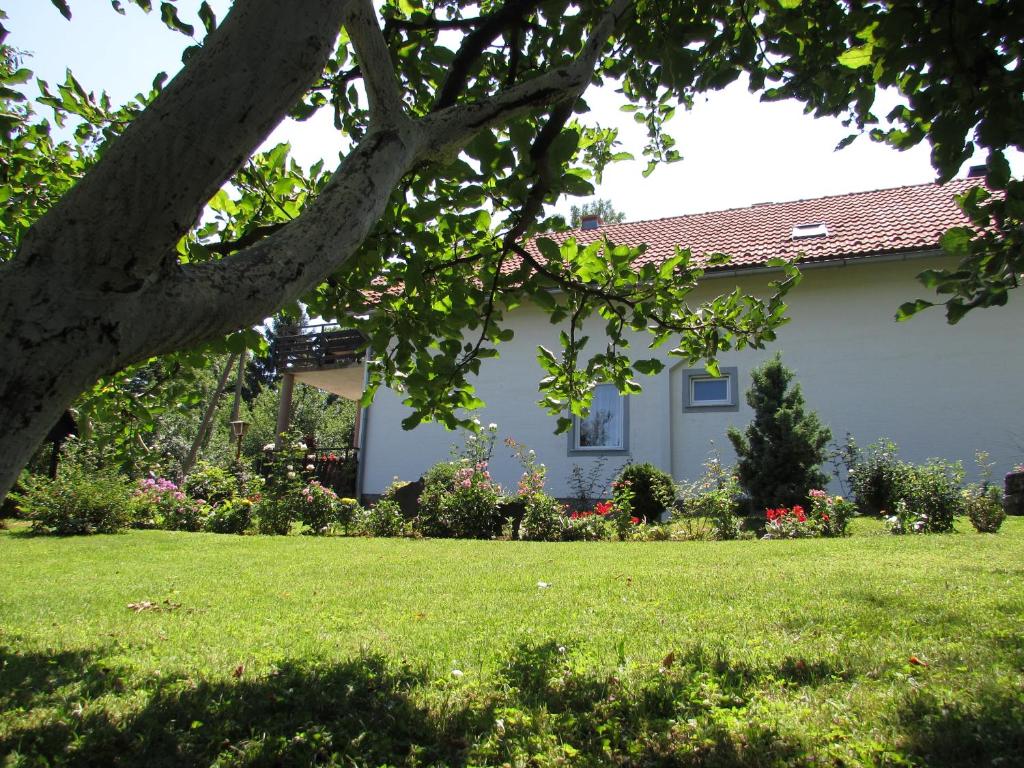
(737, 151)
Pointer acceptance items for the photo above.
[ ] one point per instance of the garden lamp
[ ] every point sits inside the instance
(239, 428)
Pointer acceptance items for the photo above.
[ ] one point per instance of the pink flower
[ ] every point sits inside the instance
(467, 483)
(309, 499)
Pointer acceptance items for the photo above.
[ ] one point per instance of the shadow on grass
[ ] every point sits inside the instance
(543, 707)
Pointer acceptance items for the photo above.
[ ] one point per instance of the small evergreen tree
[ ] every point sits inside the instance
(782, 448)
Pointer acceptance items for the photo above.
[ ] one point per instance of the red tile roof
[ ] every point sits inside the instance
(882, 221)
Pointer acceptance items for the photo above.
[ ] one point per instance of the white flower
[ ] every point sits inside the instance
(457, 673)
(309, 467)
(476, 421)
(543, 585)
(493, 427)
(291, 475)
(268, 447)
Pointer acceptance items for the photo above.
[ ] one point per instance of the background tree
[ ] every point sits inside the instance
(783, 447)
(599, 207)
(464, 125)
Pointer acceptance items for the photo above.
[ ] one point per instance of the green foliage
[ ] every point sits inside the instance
(781, 450)
(459, 500)
(233, 515)
(714, 497)
(984, 507)
(191, 515)
(931, 491)
(543, 520)
(383, 519)
(832, 513)
(653, 489)
(318, 509)
(583, 526)
(79, 502)
(275, 514)
(327, 418)
(155, 501)
(211, 484)
(983, 502)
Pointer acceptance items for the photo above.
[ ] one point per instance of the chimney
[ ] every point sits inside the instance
(976, 172)
(590, 221)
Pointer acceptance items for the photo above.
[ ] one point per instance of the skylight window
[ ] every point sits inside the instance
(802, 231)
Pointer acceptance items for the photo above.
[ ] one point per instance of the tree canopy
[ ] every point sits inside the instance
(158, 227)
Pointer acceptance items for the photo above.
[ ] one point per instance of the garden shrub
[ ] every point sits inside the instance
(984, 502)
(210, 483)
(317, 509)
(590, 525)
(437, 485)
(79, 502)
(231, 516)
(985, 508)
(714, 496)
(831, 513)
(348, 513)
(274, 515)
(654, 491)
(154, 500)
(460, 500)
(931, 491)
(383, 519)
(543, 519)
(877, 478)
(188, 516)
(781, 450)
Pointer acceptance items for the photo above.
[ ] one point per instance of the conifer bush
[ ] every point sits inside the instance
(782, 449)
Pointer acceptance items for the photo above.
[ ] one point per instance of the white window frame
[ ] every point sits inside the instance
(623, 435)
(695, 403)
(729, 403)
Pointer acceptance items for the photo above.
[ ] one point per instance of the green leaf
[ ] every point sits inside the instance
(649, 367)
(911, 308)
(169, 16)
(207, 16)
(790, 4)
(548, 249)
(858, 57)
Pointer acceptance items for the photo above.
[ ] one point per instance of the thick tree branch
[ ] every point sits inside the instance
(475, 44)
(214, 113)
(450, 128)
(382, 87)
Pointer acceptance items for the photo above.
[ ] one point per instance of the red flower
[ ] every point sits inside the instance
(603, 507)
(825, 518)
(635, 520)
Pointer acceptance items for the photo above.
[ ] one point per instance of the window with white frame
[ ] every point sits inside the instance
(604, 429)
(702, 391)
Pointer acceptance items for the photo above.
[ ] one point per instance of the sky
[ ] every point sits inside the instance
(736, 150)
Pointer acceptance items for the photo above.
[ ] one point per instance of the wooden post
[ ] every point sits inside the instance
(284, 408)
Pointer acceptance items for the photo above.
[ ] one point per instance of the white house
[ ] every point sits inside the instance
(935, 389)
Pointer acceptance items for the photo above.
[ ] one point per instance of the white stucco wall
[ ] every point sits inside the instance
(936, 389)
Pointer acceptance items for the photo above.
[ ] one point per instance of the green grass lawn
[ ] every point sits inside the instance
(299, 651)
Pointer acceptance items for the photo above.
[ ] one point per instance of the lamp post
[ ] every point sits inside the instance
(239, 428)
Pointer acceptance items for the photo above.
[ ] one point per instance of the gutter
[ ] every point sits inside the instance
(839, 261)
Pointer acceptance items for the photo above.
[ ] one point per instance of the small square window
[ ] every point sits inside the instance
(701, 391)
(605, 428)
